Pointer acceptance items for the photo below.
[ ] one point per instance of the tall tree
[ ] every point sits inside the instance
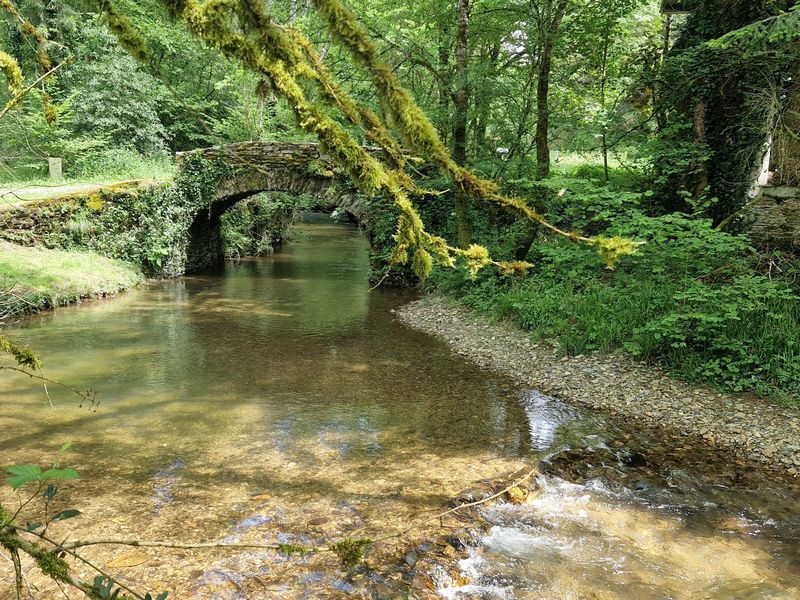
(547, 15)
(460, 120)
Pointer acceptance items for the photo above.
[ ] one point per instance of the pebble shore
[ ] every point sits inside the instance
(754, 430)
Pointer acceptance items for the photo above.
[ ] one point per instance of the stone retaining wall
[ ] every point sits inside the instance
(775, 218)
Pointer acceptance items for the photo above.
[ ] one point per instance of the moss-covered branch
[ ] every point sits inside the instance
(241, 30)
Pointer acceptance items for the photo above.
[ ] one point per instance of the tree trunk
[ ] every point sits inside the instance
(699, 125)
(484, 100)
(543, 112)
(603, 78)
(553, 14)
(659, 111)
(460, 122)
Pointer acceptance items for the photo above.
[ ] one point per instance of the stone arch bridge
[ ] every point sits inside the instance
(257, 167)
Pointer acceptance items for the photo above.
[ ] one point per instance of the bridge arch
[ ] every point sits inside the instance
(256, 167)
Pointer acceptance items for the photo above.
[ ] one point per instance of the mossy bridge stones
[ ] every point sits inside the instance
(774, 218)
(248, 168)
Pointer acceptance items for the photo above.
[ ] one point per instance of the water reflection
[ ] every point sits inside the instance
(545, 415)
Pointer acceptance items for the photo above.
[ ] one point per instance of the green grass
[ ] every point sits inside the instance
(730, 346)
(106, 170)
(37, 278)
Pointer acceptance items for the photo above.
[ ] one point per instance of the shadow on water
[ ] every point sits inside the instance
(279, 399)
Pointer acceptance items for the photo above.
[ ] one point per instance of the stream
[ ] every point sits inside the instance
(279, 401)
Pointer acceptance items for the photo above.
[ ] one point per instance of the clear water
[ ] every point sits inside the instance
(279, 401)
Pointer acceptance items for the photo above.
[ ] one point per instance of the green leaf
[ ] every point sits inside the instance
(23, 475)
(65, 447)
(65, 514)
(60, 474)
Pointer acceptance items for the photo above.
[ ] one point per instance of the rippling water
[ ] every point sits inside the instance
(279, 401)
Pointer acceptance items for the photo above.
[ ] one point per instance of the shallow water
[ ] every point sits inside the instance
(279, 401)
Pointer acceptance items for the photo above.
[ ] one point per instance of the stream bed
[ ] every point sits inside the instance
(279, 401)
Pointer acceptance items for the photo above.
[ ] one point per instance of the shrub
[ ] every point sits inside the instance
(691, 298)
(741, 335)
(252, 227)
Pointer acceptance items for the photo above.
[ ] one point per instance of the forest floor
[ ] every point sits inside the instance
(754, 430)
(34, 279)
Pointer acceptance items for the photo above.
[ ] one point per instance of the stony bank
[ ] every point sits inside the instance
(754, 430)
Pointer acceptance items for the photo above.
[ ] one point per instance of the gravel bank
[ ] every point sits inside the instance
(753, 429)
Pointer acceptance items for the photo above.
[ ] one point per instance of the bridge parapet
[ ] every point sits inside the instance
(274, 155)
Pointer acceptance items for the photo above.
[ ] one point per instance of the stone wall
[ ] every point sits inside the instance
(173, 227)
(257, 167)
(775, 218)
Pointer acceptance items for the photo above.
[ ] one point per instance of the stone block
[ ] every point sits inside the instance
(54, 167)
(780, 192)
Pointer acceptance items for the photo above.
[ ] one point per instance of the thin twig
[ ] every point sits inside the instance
(85, 395)
(175, 545)
(441, 515)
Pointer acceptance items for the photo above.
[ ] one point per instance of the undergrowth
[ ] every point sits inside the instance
(696, 300)
(254, 226)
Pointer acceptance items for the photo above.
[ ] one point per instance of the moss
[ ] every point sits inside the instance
(29, 30)
(5, 516)
(24, 357)
(123, 29)
(241, 29)
(294, 549)
(611, 249)
(50, 563)
(422, 264)
(350, 551)
(95, 202)
(11, 71)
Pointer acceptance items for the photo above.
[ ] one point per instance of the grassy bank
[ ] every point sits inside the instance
(701, 302)
(37, 278)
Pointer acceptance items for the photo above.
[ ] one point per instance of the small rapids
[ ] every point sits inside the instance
(691, 537)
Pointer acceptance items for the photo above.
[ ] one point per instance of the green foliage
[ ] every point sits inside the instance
(742, 335)
(51, 561)
(776, 32)
(252, 227)
(690, 298)
(712, 137)
(144, 225)
(22, 475)
(120, 163)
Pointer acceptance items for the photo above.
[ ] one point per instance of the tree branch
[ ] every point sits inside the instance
(18, 98)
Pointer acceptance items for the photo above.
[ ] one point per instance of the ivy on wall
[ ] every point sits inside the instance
(717, 115)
